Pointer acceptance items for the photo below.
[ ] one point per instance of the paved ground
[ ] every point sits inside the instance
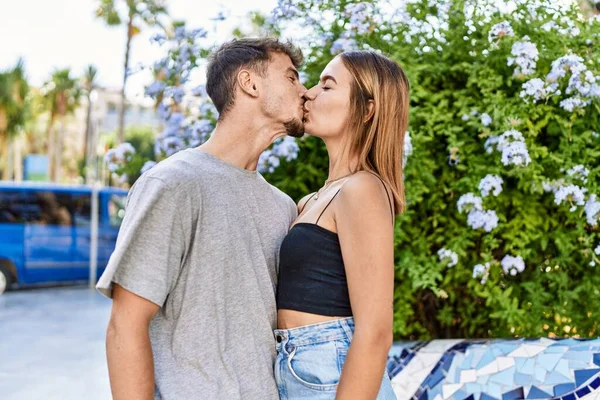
(52, 345)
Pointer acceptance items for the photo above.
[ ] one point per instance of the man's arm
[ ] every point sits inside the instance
(128, 349)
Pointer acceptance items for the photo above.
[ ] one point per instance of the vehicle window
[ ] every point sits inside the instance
(12, 209)
(53, 208)
(80, 209)
(45, 207)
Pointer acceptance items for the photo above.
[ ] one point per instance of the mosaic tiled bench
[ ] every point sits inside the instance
(567, 369)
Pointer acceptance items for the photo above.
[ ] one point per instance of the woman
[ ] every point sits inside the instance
(336, 274)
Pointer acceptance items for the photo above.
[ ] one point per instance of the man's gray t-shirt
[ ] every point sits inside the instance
(201, 239)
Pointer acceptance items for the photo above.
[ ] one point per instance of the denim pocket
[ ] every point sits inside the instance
(315, 366)
(342, 352)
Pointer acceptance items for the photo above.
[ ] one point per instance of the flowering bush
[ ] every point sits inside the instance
(502, 170)
(500, 237)
(188, 115)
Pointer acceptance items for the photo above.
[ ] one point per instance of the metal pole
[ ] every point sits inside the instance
(94, 237)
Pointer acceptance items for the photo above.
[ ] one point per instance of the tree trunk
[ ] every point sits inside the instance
(58, 150)
(91, 174)
(51, 151)
(88, 127)
(18, 161)
(121, 135)
(8, 173)
(4, 154)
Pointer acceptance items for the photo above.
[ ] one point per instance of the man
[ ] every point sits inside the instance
(193, 273)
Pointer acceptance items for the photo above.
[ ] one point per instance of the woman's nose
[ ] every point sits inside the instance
(310, 93)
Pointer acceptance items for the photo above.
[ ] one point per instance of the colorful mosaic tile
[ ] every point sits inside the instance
(567, 369)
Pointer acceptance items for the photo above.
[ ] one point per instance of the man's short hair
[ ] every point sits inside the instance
(252, 53)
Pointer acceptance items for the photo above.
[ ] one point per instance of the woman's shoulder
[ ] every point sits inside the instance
(365, 184)
(365, 187)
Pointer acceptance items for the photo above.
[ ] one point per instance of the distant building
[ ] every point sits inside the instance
(106, 112)
(104, 119)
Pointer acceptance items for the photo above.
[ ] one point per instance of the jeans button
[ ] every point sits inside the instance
(278, 338)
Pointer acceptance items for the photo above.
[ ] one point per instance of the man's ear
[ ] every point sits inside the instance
(370, 112)
(247, 83)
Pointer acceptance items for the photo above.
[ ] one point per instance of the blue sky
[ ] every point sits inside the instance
(52, 34)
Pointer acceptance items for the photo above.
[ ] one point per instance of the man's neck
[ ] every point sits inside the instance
(239, 143)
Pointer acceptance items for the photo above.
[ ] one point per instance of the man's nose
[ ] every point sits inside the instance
(303, 91)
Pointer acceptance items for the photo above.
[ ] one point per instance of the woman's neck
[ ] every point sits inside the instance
(341, 162)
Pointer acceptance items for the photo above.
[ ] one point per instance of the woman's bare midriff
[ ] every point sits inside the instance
(288, 319)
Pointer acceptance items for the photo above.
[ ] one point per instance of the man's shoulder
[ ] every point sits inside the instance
(284, 198)
(174, 172)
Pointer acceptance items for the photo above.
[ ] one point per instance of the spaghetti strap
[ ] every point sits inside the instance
(387, 193)
(306, 202)
(316, 223)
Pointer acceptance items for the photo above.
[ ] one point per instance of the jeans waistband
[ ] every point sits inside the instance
(342, 328)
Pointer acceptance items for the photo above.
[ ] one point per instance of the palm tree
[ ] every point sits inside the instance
(89, 84)
(62, 94)
(13, 109)
(138, 12)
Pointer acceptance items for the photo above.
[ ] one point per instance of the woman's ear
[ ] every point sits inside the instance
(247, 84)
(370, 111)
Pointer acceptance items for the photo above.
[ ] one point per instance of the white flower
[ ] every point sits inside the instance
(553, 186)
(573, 103)
(512, 145)
(548, 26)
(171, 145)
(572, 194)
(490, 142)
(582, 81)
(468, 202)
(592, 210)
(199, 91)
(287, 148)
(448, 255)
(155, 88)
(597, 250)
(274, 161)
(123, 179)
(342, 45)
(408, 148)
(489, 183)
(486, 220)
(525, 57)
(125, 151)
(560, 66)
(516, 153)
(481, 271)
(486, 120)
(500, 30)
(513, 265)
(147, 166)
(508, 137)
(579, 172)
(359, 14)
(534, 88)
(263, 162)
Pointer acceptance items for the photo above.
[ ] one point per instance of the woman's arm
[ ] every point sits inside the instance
(365, 228)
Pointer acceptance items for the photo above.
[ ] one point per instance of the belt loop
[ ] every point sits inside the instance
(347, 329)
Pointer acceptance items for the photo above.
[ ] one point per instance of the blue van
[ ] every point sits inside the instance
(45, 231)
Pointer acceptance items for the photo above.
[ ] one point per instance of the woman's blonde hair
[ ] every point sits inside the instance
(379, 141)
